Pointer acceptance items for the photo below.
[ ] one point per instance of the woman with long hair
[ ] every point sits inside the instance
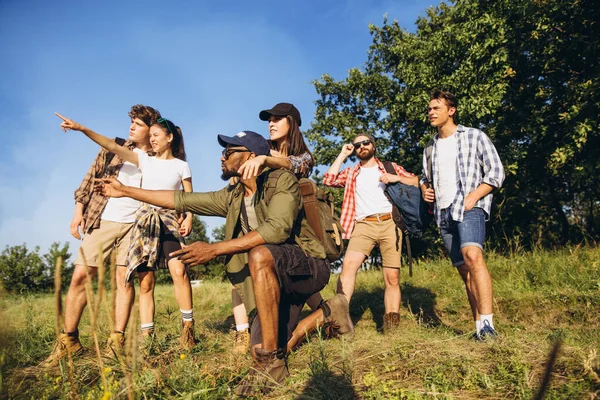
(157, 232)
(289, 151)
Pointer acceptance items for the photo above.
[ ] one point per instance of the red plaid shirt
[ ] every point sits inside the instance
(347, 180)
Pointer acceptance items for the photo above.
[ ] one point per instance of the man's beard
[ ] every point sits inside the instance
(365, 156)
(226, 175)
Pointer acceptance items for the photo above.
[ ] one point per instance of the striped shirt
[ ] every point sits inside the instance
(347, 180)
(478, 162)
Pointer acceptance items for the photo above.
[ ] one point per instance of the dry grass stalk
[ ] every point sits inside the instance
(58, 297)
(113, 289)
(131, 346)
(89, 292)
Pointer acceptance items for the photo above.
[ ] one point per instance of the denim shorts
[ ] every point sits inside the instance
(468, 232)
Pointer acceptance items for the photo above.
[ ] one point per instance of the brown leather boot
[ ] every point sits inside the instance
(269, 370)
(241, 342)
(187, 340)
(65, 345)
(391, 321)
(337, 317)
(115, 345)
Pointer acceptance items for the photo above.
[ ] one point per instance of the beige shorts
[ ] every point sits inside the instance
(108, 237)
(367, 234)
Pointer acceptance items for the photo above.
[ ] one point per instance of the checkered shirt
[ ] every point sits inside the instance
(478, 162)
(347, 180)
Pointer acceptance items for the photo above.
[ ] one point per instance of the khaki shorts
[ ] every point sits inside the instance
(110, 235)
(367, 234)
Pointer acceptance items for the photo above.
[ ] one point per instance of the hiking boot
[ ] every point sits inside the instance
(269, 370)
(241, 342)
(187, 340)
(115, 346)
(65, 344)
(487, 332)
(337, 317)
(391, 321)
(146, 341)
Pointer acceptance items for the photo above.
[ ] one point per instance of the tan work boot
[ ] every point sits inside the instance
(391, 321)
(187, 340)
(269, 370)
(337, 317)
(241, 342)
(115, 346)
(66, 344)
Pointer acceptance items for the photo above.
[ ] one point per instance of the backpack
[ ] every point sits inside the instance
(409, 212)
(319, 211)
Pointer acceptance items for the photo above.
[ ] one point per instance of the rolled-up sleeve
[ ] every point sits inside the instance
(282, 211)
(209, 203)
(334, 180)
(493, 170)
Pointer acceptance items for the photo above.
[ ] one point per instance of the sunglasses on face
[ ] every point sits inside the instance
(228, 152)
(363, 143)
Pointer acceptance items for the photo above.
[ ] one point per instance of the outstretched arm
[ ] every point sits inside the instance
(103, 141)
(186, 224)
(111, 187)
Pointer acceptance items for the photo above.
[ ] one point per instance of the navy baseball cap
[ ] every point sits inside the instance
(253, 141)
(281, 110)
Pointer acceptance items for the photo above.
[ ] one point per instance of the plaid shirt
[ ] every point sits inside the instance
(478, 162)
(300, 165)
(145, 238)
(347, 179)
(94, 203)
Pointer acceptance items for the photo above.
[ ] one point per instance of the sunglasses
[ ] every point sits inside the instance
(228, 152)
(363, 143)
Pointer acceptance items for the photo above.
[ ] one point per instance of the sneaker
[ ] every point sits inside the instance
(241, 342)
(187, 340)
(64, 345)
(269, 370)
(487, 332)
(115, 345)
(337, 317)
(391, 321)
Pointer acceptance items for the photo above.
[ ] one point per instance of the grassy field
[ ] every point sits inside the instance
(540, 298)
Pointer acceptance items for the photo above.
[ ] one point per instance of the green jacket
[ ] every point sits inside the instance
(280, 221)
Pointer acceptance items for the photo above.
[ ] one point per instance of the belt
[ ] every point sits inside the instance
(378, 217)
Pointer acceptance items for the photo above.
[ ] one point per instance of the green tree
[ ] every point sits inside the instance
(525, 72)
(25, 270)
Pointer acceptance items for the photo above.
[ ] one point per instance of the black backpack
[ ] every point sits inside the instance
(409, 211)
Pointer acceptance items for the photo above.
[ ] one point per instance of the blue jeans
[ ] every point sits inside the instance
(468, 232)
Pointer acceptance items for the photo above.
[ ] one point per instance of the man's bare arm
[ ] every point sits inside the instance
(111, 187)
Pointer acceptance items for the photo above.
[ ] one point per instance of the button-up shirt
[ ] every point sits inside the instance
(347, 180)
(477, 162)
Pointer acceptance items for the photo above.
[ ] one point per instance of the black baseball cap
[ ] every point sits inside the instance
(281, 110)
(253, 141)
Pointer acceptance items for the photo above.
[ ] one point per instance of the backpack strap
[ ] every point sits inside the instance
(308, 190)
(428, 157)
(399, 221)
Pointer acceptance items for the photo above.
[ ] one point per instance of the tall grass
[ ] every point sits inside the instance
(540, 297)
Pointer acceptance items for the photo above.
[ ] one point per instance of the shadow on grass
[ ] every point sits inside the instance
(419, 301)
(325, 383)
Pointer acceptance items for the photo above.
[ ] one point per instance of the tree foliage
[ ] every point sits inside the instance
(214, 268)
(24, 270)
(525, 72)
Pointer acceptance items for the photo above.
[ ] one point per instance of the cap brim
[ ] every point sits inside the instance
(228, 140)
(266, 114)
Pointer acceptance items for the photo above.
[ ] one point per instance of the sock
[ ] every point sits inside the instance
(73, 334)
(147, 326)
(187, 315)
(487, 319)
(242, 327)
(477, 325)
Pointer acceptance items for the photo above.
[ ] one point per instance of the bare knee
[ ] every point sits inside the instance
(259, 258)
(146, 286)
(177, 270)
(473, 256)
(391, 277)
(79, 277)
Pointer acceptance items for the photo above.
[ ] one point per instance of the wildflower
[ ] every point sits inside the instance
(182, 356)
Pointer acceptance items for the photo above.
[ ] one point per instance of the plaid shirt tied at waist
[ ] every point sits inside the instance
(145, 237)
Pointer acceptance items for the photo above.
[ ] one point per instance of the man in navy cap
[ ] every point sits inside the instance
(272, 256)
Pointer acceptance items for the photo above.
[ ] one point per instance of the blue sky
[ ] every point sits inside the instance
(209, 66)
